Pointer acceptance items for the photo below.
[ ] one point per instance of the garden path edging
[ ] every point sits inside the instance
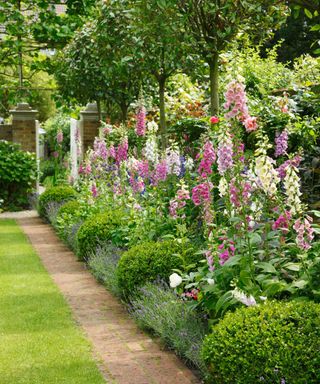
(125, 353)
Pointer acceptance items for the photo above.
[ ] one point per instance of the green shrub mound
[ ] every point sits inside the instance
(55, 194)
(69, 208)
(98, 229)
(271, 343)
(17, 175)
(148, 261)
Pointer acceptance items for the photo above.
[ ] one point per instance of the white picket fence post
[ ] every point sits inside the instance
(38, 155)
(75, 147)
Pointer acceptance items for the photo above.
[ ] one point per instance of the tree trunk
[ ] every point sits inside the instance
(20, 58)
(163, 126)
(124, 112)
(214, 84)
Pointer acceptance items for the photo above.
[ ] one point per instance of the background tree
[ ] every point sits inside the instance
(98, 65)
(212, 25)
(160, 45)
(28, 30)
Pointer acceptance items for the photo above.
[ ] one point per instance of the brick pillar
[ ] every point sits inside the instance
(24, 126)
(90, 124)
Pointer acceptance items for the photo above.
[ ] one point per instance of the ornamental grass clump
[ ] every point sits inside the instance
(103, 264)
(276, 342)
(158, 309)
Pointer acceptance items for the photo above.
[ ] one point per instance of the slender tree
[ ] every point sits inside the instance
(160, 45)
(98, 64)
(213, 24)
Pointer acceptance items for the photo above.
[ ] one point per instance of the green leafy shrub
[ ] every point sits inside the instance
(66, 217)
(58, 122)
(151, 260)
(271, 343)
(69, 208)
(17, 175)
(158, 309)
(98, 229)
(57, 195)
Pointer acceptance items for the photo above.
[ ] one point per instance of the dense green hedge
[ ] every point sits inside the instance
(17, 175)
(147, 261)
(266, 343)
(55, 194)
(69, 208)
(98, 229)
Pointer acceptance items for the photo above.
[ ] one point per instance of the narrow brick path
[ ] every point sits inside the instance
(126, 355)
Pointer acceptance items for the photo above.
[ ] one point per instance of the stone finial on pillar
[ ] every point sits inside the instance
(90, 124)
(24, 126)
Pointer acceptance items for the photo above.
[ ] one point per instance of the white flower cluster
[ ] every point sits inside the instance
(243, 298)
(223, 187)
(132, 164)
(173, 161)
(189, 164)
(292, 187)
(268, 176)
(151, 149)
(152, 127)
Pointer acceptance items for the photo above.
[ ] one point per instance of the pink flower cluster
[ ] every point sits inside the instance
(225, 154)
(282, 222)
(282, 170)
(202, 193)
(236, 103)
(141, 121)
(94, 190)
(250, 123)
(208, 158)
(179, 202)
(240, 194)
(193, 294)
(122, 151)
(161, 172)
(305, 232)
(59, 136)
(281, 141)
(143, 169)
(226, 250)
(137, 184)
(100, 148)
(210, 261)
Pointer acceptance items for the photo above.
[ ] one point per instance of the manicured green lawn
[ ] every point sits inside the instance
(39, 341)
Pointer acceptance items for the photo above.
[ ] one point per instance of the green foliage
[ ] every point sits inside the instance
(69, 208)
(188, 131)
(157, 308)
(59, 122)
(149, 261)
(97, 229)
(55, 194)
(266, 343)
(17, 175)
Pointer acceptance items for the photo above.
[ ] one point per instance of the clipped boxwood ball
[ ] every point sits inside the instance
(55, 194)
(97, 229)
(147, 261)
(69, 208)
(277, 342)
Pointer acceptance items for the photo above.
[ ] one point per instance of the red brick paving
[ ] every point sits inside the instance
(125, 354)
